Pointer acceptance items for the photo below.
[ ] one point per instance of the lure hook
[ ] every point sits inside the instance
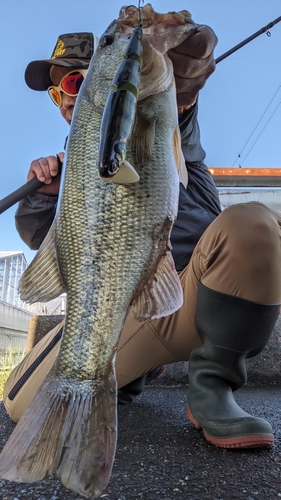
(139, 9)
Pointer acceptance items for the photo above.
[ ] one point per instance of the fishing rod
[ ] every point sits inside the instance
(20, 193)
(25, 190)
(265, 29)
(34, 184)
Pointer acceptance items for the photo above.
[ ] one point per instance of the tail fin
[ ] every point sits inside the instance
(69, 430)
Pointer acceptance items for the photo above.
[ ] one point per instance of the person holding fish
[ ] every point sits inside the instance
(228, 263)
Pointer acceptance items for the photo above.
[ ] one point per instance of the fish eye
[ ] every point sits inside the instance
(106, 40)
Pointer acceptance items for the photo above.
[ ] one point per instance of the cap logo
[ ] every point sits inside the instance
(59, 49)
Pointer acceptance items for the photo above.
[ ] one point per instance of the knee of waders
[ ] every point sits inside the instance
(252, 231)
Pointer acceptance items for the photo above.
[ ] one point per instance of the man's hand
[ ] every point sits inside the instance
(193, 63)
(45, 169)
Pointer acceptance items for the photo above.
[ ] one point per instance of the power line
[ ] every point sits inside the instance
(255, 128)
(261, 132)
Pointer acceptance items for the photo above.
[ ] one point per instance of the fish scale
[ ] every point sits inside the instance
(109, 248)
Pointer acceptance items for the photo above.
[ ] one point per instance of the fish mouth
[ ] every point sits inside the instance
(130, 16)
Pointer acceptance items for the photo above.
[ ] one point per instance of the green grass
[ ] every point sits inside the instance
(8, 360)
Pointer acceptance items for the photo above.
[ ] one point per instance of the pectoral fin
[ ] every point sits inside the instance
(41, 281)
(180, 161)
(162, 295)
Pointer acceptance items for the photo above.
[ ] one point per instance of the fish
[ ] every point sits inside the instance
(109, 249)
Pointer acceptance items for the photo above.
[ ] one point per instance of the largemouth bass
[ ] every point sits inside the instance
(108, 247)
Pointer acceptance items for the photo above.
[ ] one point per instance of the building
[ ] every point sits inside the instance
(14, 313)
(12, 266)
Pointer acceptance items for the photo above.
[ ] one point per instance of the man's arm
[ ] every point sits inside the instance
(33, 218)
(193, 63)
(199, 203)
(36, 212)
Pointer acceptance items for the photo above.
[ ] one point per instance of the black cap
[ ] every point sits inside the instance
(72, 50)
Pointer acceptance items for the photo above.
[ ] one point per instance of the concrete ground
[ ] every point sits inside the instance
(161, 456)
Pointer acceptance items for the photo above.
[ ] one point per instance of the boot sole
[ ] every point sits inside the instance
(251, 441)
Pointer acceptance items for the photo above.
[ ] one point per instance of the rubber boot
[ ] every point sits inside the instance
(231, 330)
(129, 392)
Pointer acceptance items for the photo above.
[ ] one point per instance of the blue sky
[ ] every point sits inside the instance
(233, 101)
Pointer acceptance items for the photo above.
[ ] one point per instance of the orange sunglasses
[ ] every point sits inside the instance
(70, 84)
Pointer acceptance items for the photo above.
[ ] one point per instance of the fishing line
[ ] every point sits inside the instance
(255, 128)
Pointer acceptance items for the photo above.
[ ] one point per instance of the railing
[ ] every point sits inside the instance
(252, 177)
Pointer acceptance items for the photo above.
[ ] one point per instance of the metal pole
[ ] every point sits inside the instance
(247, 40)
